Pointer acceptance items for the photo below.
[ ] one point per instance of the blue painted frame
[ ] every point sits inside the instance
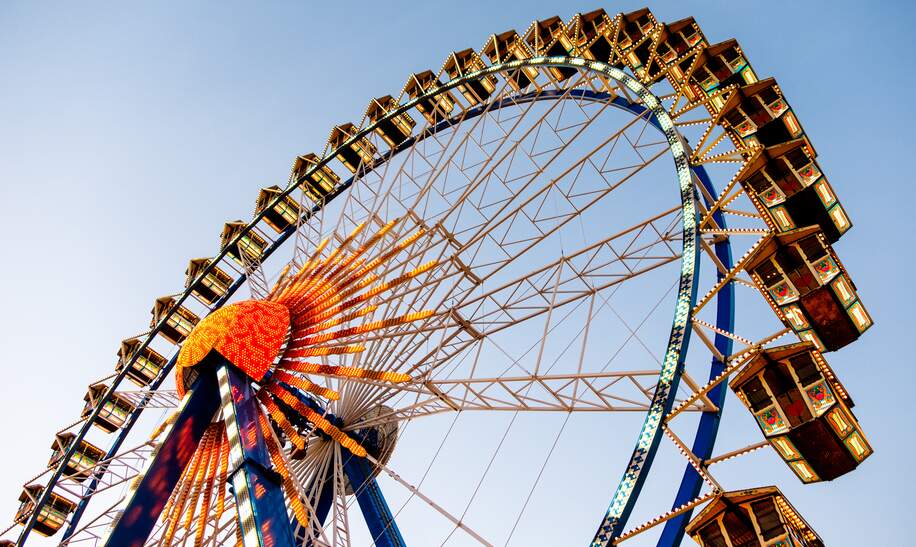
(257, 488)
(381, 523)
(636, 472)
(163, 472)
(708, 427)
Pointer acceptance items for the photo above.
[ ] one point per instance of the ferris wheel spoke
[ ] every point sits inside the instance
(429, 501)
(110, 472)
(469, 332)
(313, 475)
(95, 530)
(486, 167)
(503, 213)
(727, 277)
(340, 522)
(527, 210)
(313, 531)
(410, 199)
(516, 213)
(577, 276)
(733, 362)
(753, 447)
(608, 262)
(443, 351)
(585, 392)
(661, 519)
(258, 286)
(643, 391)
(106, 474)
(222, 531)
(225, 524)
(454, 209)
(159, 398)
(692, 459)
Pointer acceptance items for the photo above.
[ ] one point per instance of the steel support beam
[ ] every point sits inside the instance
(257, 488)
(378, 517)
(164, 470)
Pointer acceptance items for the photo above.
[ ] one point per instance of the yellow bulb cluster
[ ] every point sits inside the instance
(296, 322)
(306, 385)
(278, 416)
(350, 372)
(364, 328)
(327, 350)
(316, 419)
(292, 494)
(206, 469)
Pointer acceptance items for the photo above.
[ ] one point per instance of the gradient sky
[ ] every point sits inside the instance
(129, 135)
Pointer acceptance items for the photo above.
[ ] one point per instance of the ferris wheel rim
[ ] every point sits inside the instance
(717, 78)
(546, 61)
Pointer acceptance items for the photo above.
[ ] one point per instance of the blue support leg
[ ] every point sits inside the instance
(384, 529)
(164, 470)
(258, 489)
(372, 503)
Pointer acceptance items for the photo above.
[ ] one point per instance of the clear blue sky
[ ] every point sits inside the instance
(129, 135)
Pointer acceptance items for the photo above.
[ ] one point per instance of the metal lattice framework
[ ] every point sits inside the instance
(491, 230)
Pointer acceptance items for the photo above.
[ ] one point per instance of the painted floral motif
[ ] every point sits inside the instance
(826, 269)
(773, 196)
(771, 421)
(820, 396)
(777, 107)
(746, 128)
(809, 173)
(783, 293)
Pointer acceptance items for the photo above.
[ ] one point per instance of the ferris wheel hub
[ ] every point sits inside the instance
(379, 440)
(250, 334)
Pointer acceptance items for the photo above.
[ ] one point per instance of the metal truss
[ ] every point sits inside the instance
(586, 392)
(145, 399)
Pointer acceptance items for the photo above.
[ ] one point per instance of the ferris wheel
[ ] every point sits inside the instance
(559, 251)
